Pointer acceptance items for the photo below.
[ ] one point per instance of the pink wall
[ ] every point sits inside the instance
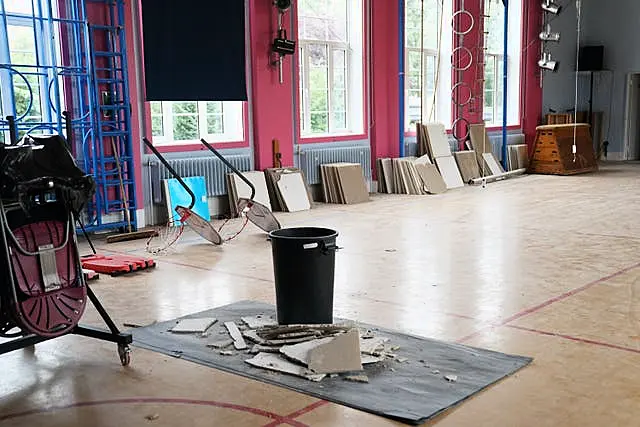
(272, 104)
(385, 125)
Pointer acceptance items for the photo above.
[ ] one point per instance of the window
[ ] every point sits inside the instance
(331, 67)
(23, 86)
(427, 63)
(494, 63)
(187, 121)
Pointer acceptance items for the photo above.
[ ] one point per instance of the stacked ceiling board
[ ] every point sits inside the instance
(440, 151)
(409, 175)
(481, 143)
(238, 189)
(344, 183)
(468, 165)
(518, 157)
(287, 189)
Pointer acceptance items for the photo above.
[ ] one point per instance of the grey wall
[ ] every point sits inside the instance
(614, 24)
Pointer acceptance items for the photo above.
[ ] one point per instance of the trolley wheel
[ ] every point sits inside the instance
(124, 351)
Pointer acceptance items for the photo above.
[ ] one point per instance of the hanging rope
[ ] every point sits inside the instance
(574, 149)
(422, 73)
(437, 65)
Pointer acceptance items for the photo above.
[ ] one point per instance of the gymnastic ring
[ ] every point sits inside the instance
(453, 22)
(453, 93)
(454, 125)
(453, 54)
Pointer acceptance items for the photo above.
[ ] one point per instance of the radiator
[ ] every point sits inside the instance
(311, 159)
(211, 168)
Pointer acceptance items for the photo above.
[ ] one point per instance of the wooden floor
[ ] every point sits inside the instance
(540, 266)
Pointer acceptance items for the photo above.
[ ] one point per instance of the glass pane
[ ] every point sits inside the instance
(318, 78)
(339, 58)
(23, 95)
(22, 45)
(339, 100)
(18, 6)
(413, 61)
(317, 55)
(315, 8)
(214, 125)
(339, 120)
(185, 107)
(157, 126)
(185, 128)
(314, 29)
(338, 79)
(337, 29)
(494, 26)
(319, 123)
(214, 107)
(319, 101)
(156, 107)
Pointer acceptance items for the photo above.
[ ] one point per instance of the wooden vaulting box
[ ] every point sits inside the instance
(553, 151)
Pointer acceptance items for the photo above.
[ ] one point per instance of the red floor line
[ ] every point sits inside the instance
(300, 412)
(567, 295)
(196, 267)
(576, 339)
(256, 411)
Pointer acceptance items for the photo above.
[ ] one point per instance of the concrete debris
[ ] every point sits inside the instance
(227, 353)
(220, 344)
(435, 372)
(373, 346)
(276, 362)
(152, 417)
(367, 359)
(366, 334)
(334, 376)
(257, 348)
(238, 341)
(339, 354)
(401, 359)
(357, 378)
(259, 321)
(193, 326)
(451, 378)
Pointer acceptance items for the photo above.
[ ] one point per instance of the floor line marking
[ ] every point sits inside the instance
(248, 409)
(309, 408)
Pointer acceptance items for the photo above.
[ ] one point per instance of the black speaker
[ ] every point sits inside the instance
(591, 58)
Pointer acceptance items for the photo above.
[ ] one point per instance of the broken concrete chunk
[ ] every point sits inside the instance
(227, 353)
(339, 354)
(275, 362)
(259, 321)
(435, 372)
(300, 352)
(193, 326)
(152, 417)
(401, 359)
(451, 378)
(366, 334)
(373, 346)
(220, 344)
(357, 378)
(257, 348)
(367, 359)
(238, 341)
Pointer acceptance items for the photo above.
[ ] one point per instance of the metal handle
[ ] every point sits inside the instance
(230, 166)
(323, 247)
(171, 171)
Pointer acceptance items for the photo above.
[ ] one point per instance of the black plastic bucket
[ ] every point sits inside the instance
(304, 265)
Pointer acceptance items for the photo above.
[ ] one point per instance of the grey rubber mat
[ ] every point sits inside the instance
(412, 392)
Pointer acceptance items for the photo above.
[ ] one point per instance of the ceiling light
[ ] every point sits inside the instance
(547, 63)
(551, 6)
(548, 36)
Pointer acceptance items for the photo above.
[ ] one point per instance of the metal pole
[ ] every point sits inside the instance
(505, 69)
(401, 75)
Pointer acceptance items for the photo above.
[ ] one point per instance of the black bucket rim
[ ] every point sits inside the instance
(323, 233)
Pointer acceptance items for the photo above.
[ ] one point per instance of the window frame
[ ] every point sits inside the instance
(234, 121)
(515, 60)
(356, 96)
(498, 101)
(443, 104)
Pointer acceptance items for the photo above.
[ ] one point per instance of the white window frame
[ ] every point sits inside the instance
(514, 64)
(427, 99)
(354, 77)
(495, 60)
(443, 103)
(232, 123)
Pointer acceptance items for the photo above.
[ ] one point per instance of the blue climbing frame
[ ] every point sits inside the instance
(79, 67)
